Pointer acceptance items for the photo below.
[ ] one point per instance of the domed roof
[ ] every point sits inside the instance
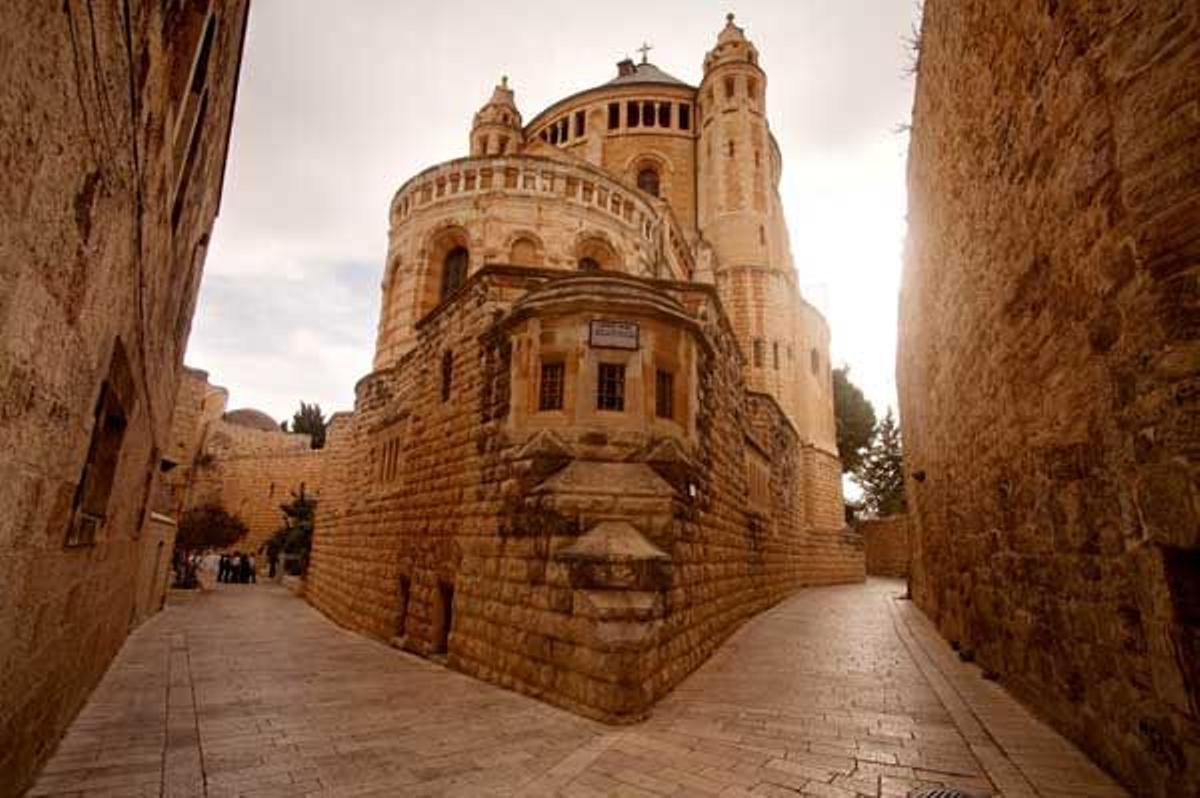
(249, 417)
(645, 72)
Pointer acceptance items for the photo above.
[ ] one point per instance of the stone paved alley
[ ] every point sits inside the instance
(838, 691)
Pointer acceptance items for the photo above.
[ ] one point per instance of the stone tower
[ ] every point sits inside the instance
(496, 129)
(740, 216)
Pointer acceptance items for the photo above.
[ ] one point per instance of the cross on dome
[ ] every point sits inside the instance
(645, 50)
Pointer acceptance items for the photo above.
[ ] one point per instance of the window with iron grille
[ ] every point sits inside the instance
(610, 387)
(664, 394)
(550, 392)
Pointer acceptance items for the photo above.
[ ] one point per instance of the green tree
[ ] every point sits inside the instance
(881, 472)
(295, 536)
(311, 421)
(205, 527)
(855, 419)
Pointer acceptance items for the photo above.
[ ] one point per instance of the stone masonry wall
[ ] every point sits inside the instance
(1049, 367)
(887, 545)
(453, 519)
(113, 150)
(248, 471)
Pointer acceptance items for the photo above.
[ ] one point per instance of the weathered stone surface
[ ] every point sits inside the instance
(886, 541)
(1047, 375)
(115, 123)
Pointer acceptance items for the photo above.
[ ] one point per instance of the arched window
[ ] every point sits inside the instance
(454, 271)
(647, 180)
(524, 252)
(594, 252)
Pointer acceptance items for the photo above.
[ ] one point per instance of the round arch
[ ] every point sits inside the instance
(593, 252)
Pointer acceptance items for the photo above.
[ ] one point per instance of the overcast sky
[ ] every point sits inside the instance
(340, 103)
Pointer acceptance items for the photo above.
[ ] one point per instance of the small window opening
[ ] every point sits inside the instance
(632, 114)
(614, 116)
(648, 113)
(550, 391)
(664, 114)
(443, 617)
(554, 134)
(729, 88)
(610, 387)
(503, 145)
(454, 271)
(447, 374)
(647, 180)
(403, 591)
(89, 505)
(730, 146)
(664, 394)
(685, 116)
(775, 354)
(762, 234)
(752, 88)
(757, 158)
(815, 361)
(580, 122)
(589, 265)
(760, 353)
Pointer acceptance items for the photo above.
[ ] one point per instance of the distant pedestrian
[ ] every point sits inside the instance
(243, 568)
(223, 568)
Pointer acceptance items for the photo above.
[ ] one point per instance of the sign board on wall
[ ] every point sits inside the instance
(605, 334)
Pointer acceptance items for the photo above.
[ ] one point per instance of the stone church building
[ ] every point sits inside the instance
(599, 431)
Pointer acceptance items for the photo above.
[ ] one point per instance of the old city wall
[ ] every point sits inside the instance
(440, 503)
(111, 183)
(1049, 368)
(886, 540)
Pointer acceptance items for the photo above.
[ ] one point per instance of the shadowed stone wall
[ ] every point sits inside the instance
(886, 540)
(1048, 363)
(116, 118)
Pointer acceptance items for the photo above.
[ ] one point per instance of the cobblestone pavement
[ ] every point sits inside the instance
(844, 691)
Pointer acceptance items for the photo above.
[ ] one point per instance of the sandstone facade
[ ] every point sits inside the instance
(116, 122)
(599, 432)
(886, 541)
(1049, 366)
(239, 459)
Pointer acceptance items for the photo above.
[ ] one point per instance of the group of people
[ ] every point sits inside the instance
(236, 567)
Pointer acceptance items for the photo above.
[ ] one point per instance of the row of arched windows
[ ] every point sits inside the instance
(593, 254)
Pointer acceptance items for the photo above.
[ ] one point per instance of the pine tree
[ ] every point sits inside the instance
(881, 472)
(855, 419)
(311, 421)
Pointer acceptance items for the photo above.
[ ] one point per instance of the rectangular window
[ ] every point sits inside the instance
(447, 374)
(729, 88)
(632, 113)
(610, 387)
(685, 116)
(664, 394)
(89, 505)
(614, 116)
(563, 129)
(550, 392)
(580, 120)
(760, 354)
(775, 354)
(664, 114)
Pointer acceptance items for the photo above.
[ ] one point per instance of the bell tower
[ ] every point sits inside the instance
(496, 129)
(736, 156)
(740, 215)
